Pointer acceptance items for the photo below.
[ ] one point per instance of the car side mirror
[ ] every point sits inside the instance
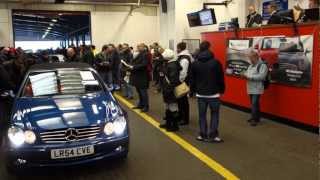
(307, 51)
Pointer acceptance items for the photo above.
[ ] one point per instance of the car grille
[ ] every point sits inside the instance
(61, 136)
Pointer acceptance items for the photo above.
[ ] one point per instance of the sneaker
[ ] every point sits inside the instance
(200, 138)
(216, 140)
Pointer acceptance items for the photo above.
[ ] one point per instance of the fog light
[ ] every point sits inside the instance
(119, 148)
(21, 161)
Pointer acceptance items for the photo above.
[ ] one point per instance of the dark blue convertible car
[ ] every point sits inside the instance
(64, 115)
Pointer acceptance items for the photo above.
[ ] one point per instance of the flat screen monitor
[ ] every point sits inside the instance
(194, 19)
(207, 17)
(312, 14)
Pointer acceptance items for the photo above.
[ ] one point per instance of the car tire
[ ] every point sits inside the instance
(11, 170)
(124, 156)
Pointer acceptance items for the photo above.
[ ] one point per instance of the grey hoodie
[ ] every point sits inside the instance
(255, 79)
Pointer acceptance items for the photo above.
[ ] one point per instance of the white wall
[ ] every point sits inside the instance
(177, 13)
(167, 24)
(5, 26)
(109, 24)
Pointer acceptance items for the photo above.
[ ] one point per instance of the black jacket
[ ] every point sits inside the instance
(127, 57)
(253, 18)
(102, 62)
(139, 74)
(207, 76)
(74, 58)
(275, 18)
(171, 71)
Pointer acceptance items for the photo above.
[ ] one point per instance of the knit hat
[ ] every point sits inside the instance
(168, 54)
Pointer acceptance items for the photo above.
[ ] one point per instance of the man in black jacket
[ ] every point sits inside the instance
(139, 77)
(207, 82)
(72, 55)
(275, 18)
(254, 19)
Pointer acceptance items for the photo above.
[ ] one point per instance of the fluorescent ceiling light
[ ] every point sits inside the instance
(51, 24)
(54, 20)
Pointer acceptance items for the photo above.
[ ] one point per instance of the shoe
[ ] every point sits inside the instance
(183, 123)
(200, 138)
(215, 140)
(137, 107)
(163, 126)
(145, 110)
(253, 123)
(249, 120)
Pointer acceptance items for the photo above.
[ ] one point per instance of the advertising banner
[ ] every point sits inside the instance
(289, 58)
(282, 5)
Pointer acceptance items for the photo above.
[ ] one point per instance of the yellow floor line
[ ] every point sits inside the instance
(215, 166)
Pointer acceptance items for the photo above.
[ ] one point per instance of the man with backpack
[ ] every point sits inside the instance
(256, 75)
(185, 60)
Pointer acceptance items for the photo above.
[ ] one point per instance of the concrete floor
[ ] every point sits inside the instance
(268, 151)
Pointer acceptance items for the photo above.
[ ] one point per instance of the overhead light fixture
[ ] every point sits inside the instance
(51, 24)
(54, 20)
(60, 14)
(49, 28)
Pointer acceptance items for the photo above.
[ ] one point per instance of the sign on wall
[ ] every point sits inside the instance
(289, 58)
(282, 5)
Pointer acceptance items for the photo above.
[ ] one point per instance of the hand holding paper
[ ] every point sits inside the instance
(124, 63)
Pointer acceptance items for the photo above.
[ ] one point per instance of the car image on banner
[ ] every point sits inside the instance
(289, 58)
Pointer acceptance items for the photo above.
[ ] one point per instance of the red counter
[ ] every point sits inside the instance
(294, 103)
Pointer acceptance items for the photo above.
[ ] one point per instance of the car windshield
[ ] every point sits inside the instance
(61, 82)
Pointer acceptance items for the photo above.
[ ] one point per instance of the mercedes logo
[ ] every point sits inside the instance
(71, 134)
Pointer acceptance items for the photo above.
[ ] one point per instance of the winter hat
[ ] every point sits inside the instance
(168, 54)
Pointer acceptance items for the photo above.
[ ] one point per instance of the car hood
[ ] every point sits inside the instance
(59, 112)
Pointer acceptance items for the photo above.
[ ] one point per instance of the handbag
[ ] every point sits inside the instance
(181, 90)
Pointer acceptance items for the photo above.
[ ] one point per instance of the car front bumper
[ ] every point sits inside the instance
(40, 156)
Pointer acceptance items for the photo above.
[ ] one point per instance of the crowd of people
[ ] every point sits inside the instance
(125, 68)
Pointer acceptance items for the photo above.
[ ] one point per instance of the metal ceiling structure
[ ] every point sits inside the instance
(49, 25)
(107, 2)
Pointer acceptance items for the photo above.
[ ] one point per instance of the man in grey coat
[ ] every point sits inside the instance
(255, 75)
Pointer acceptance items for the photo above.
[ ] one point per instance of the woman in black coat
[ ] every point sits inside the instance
(170, 81)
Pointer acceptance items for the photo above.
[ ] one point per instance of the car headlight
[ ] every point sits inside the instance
(108, 128)
(117, 126)
(16, 136)
(30, 137)
(120, 125)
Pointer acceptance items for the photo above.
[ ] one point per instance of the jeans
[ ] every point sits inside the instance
(107, 78)
(143, 98)
(214, 104)
(127, 90)
(183, 104)
(255, 106)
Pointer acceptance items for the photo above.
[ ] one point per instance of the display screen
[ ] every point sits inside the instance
(202, 18)
(207, 17)
(194, 19)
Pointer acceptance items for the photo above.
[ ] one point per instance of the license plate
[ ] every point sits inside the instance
(72, 152)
